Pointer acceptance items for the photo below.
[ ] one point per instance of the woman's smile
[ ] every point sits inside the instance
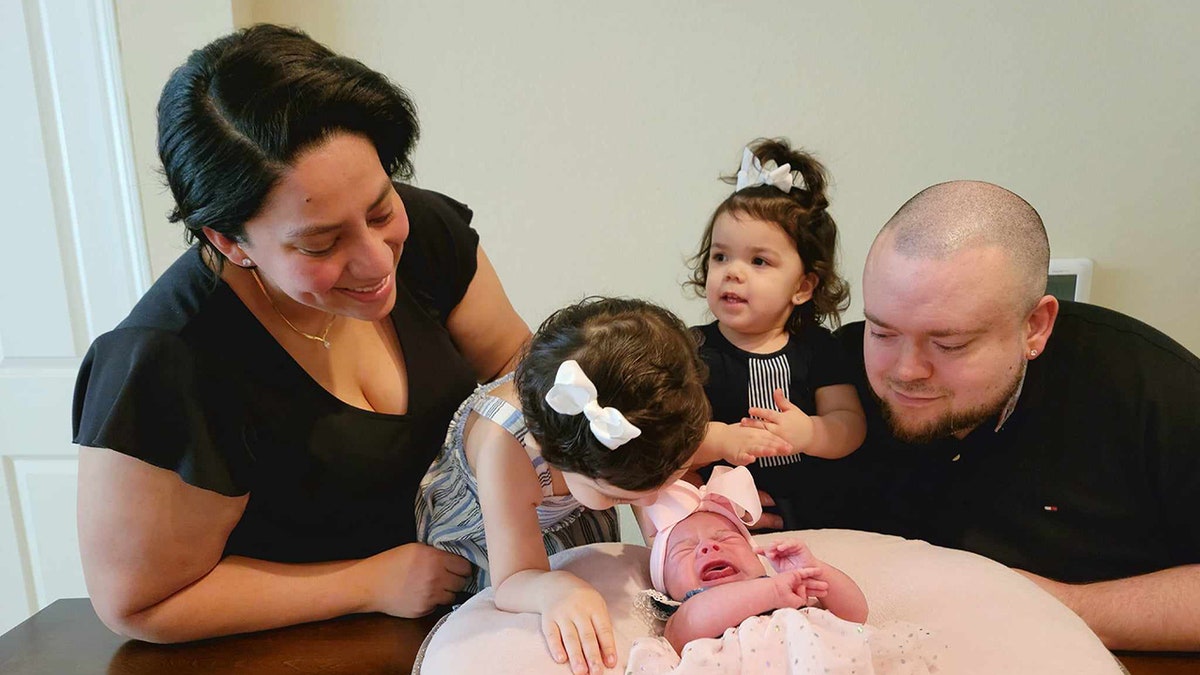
(371, 292)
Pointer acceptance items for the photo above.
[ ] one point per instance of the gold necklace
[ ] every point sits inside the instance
(322, 338)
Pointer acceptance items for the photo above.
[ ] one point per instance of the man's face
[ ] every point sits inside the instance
(944, 340)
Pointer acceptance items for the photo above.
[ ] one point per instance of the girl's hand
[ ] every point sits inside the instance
(795, 587)
(741, 445)
(411, 580)
(576, 625)
(790, 423)
(789, 554)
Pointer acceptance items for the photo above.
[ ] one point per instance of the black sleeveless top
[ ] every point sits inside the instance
(193, 383)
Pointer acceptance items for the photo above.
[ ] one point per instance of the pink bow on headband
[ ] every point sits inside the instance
(681, 499)
(729, 493)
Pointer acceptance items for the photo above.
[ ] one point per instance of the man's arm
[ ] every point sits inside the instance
(1159, 611)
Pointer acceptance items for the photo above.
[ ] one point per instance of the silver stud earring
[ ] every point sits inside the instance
(1032, 353)
(246, 262)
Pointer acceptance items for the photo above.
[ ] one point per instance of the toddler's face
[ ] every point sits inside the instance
(707, 550)
(755, 276)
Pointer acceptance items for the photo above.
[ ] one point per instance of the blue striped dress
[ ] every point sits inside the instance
(448, 513)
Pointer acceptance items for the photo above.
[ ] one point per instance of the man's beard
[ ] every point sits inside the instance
(950, 422)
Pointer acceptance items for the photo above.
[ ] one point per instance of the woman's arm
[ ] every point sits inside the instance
(152, 550)
(484, 325)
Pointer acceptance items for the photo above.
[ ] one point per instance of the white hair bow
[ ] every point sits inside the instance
(753, 174)
(574, 393)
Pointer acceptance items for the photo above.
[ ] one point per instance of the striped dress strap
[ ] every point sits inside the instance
(513, 420)
(767, 375)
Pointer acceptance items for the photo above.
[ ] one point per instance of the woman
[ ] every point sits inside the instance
(254, 432)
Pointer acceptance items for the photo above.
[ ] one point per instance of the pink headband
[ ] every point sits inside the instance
(729, 493)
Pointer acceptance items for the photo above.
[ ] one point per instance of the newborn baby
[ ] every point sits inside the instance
(704, 559)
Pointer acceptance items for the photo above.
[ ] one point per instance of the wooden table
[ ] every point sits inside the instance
(66, 638)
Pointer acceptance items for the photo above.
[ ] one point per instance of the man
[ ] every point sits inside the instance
(1062, 440)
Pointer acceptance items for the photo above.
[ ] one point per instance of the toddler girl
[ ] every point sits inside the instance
(606, 406)
(779, 384)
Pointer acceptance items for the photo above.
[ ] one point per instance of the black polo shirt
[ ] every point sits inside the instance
(1096, 475)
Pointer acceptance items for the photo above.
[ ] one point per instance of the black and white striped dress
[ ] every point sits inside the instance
(739, 380)
(448, 513)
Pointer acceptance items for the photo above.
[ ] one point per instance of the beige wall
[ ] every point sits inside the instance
(589, 137)
(156, 36)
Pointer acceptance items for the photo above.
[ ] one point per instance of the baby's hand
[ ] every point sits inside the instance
(788, 554)
(795, 587)
(577, 627)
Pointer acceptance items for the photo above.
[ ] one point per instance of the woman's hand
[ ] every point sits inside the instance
(576, 624)
(413, 579)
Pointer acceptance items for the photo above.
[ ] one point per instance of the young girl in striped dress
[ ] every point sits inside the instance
(779, 384)
(606, 406)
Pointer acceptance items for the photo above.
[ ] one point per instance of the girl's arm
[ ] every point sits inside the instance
(484, 325)
(840, 426)
(575, 620)
(739, 445)
(152, 550)
(837, 429)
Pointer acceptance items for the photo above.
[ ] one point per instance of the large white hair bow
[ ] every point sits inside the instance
(753, 174)
(574, 393)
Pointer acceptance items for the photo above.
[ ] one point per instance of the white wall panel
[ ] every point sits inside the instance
(34, 315)
(46, 494)
(74, 264)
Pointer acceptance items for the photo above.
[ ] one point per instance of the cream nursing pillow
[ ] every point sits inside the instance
(984, 617)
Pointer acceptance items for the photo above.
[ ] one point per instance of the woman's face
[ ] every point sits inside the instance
(706, 550)
(330, 233)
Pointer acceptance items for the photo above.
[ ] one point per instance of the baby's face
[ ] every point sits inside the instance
(707, 550)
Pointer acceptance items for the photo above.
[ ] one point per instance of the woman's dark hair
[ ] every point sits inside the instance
(239, 111)
(644, 363)
(803, 214)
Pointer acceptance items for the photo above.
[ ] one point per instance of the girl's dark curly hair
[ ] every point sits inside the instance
(644, 363)
(803, 214)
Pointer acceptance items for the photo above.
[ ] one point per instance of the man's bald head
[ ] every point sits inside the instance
(946, 219)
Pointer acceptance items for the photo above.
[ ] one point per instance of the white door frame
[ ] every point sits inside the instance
(75, 264)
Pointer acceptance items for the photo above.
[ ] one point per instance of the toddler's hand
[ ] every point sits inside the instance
(577, 627)
(741, 445)
(788, 554)
(790, 423)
